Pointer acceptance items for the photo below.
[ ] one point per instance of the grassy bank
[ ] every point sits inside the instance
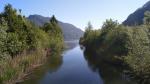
(15, 69)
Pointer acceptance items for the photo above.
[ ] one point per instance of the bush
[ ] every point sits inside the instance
(14, 46)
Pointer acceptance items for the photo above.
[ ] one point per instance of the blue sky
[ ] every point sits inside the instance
(78, 12)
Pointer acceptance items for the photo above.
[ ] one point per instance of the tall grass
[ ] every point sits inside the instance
(16, 68)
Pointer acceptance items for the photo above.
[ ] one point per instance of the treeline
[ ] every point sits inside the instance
(23, 44)
(123, 45)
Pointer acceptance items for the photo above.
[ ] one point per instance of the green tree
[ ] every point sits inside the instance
(54, 31)
(109, 24)
(14, 20)
(89, 27)
(53, 20)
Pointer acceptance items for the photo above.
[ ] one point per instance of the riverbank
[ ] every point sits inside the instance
(14, 70)
(75, 66)
(70, 67)
(122, 45)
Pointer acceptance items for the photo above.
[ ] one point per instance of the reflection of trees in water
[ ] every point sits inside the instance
(55, 61)
(53, 64)
(111, 74)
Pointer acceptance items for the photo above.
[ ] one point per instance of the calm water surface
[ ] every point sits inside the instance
(74, 67)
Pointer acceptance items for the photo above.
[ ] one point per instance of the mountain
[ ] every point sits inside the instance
(70, 32)
(137, 17)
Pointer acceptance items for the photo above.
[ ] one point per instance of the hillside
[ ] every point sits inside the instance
(70, 32)
(137, 17)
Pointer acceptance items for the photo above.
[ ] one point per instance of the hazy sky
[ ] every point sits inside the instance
(78, 12)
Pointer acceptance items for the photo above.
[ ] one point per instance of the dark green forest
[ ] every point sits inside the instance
(128, 46)
(23, 45)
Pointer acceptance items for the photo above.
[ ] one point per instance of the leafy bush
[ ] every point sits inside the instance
(14, 46)
(3, 40)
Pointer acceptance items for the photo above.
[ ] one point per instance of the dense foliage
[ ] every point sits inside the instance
(18, 37)
(55, 32)
(128, 46)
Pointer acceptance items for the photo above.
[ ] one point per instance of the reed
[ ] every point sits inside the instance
(12, 70)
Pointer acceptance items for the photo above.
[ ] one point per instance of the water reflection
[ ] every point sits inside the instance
(71, 44)
(55, 61)
(77, 67)
(109, 73)
(52, 65)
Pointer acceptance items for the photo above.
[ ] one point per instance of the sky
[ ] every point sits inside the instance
(78, 12)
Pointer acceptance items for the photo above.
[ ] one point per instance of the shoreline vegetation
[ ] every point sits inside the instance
(21, 66)
(25, 46)
(127, 46)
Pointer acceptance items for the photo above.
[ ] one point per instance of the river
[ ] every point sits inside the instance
(74, 67)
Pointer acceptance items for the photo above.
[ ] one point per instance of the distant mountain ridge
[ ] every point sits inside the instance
(137, 17)
(70, 32)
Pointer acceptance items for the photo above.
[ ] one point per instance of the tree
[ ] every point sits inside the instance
(10, 16)
(53, 20)
(109, 24)
(53, 27)
(20, 11)
(89, 26)
(54, 31)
